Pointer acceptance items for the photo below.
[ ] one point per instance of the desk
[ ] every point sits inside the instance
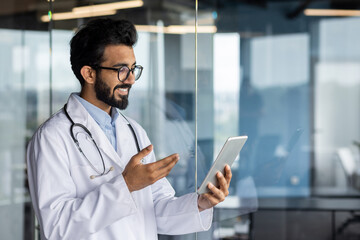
(335, 192)
(310, 204)
(331, 205)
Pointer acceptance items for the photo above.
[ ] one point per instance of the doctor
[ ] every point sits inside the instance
(92, 171)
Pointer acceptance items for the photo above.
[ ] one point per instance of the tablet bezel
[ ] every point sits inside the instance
(227, 156)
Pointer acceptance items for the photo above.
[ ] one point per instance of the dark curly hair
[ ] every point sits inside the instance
(88, 44)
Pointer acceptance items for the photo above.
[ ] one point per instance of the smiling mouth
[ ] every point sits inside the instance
(123, 91)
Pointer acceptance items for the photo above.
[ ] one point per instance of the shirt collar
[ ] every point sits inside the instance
(100, 116)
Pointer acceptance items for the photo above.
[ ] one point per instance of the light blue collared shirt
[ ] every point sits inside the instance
(106, 123)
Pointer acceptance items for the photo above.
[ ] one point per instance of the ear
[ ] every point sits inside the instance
(89, 74)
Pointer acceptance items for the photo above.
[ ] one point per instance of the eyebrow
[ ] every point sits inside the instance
(123, 64)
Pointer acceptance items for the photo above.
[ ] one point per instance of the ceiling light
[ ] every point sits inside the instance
(331, 12)
(109, 6)
(92, 11)
(181, 29)
(73, 15)
(150, 28)
(176, 29)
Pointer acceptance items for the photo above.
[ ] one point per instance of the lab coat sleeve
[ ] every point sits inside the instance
(178, 215)
(175, 216)
(61, 214)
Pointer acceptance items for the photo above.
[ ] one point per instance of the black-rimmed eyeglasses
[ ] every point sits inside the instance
(124, 71)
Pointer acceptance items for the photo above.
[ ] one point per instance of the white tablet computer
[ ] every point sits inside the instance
(227, 155)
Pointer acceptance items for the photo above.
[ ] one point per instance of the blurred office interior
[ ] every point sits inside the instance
(284, 72)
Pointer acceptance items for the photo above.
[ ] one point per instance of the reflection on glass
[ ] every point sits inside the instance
(162, 101)
(13, 127)
(22, 79)
(296, 96)
(226, 90)
(226, 86)
(274, 112)
(288, 81)
(64, 81)
(337, 85)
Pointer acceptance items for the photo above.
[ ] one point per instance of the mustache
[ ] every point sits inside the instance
(122, 86)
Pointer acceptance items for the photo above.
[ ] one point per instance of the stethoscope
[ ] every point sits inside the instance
(104, 170)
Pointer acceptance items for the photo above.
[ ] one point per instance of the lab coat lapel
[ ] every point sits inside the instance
(125, 140)
(79, 115)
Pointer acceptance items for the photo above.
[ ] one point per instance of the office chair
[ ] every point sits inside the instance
(349, 164)
(355, 218)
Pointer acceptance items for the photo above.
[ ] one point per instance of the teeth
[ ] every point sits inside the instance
(123, 89)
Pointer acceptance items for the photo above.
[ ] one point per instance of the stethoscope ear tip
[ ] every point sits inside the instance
(110, 169)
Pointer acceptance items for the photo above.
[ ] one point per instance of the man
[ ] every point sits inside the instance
(88, 178)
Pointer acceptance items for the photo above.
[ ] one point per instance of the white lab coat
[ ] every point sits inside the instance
(70, 205)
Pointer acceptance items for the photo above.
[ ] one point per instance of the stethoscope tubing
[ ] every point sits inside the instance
(73, 125)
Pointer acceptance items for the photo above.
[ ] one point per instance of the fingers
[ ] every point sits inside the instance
(228, 174)
(221, 180)
(143, 153)
(169, 160)
(218, 193)
(163, 163)
(212, 199)
(152, 172)
(138, 176)
(163, 167)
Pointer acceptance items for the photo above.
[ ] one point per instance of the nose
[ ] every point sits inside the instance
(130, 79)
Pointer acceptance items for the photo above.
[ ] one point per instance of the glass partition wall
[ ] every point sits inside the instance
(37, 80)
(284, 73)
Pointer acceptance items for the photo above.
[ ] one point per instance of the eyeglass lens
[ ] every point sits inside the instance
(124, 72)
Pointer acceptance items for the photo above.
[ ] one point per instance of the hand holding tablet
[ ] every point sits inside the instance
(227, 156)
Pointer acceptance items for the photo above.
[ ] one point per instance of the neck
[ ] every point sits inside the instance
(89, 95)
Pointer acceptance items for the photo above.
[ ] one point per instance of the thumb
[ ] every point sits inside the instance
(143, 153)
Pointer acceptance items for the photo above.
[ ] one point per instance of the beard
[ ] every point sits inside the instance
(104, 94)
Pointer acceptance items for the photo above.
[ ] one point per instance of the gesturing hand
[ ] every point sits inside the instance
(138, 176)
(217, 194)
